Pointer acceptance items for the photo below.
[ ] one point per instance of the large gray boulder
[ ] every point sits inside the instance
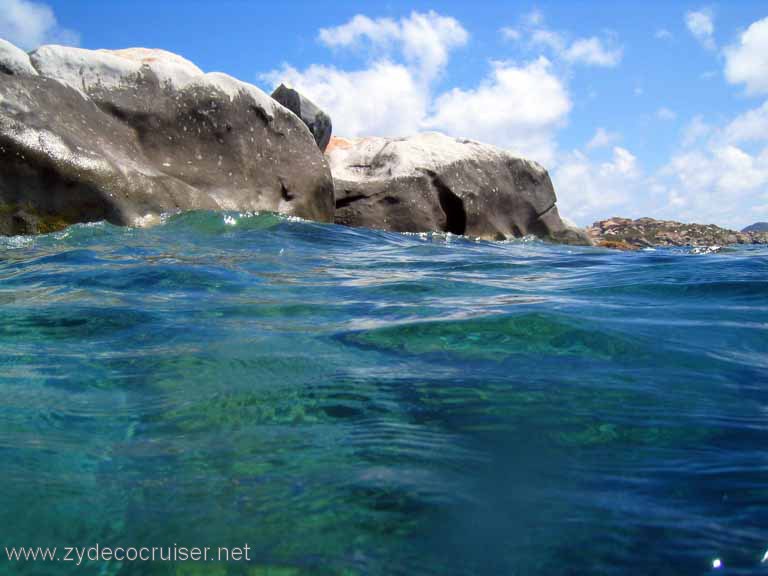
(431, 182)
(318, 122)
(127, 135)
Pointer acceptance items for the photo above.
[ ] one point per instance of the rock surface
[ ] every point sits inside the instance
(431, 182)
(627, 234)
(318, 122)
(127, 135)
(756, 227)
(14, 60)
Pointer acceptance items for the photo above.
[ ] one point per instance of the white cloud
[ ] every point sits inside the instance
(380, 32)
(750, 126)
(592, 52)
(30, 24)
(665, 113)
(747, 61)
(424, 39)
(603, 138)
(548, 39)
(509, 33)
(383, 100)
(589, 191)
(719, 172)
(516, 107)
(719, 183)
(695, 131)
(663, 34)
(701, 24)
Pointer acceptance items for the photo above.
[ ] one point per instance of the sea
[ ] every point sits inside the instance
(356, 402)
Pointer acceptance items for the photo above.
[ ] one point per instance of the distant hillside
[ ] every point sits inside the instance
(757, 227)
(627, 234)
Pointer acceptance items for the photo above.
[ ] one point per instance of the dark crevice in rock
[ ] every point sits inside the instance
(344, 202)
(261, 114)
(545, 211)
(452, 206)
(285, 193)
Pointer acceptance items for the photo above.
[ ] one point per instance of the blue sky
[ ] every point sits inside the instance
(637, 109)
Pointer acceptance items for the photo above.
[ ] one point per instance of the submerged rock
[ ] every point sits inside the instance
(624, 233)
(431, 182)
(129, 134)
(318, 122)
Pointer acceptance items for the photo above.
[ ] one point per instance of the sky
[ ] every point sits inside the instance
(655, 108)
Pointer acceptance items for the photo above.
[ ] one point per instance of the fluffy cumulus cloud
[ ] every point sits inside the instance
(749, 127)
(518, 105)
(424, 39)
(718, 174)
(384, 99)
(723, 174)
(30, 24)
(747, 60)
(588, 190)
(591, 51)
(701, 24)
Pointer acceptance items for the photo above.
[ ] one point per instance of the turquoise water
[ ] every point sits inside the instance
(354, 402)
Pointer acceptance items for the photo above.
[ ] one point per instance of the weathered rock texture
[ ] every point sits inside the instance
(626, 234)
(126, 135)
(431, 182)
(318, 122)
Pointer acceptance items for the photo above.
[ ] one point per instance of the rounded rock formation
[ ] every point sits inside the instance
(318, 122)
(431, 182)
(127, 135)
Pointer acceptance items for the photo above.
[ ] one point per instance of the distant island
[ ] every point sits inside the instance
(628, 234)
(756, 227)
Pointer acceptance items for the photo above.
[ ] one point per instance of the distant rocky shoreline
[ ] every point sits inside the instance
(627, 234)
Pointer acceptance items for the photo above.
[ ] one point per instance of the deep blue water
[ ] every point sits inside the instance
(354, 402)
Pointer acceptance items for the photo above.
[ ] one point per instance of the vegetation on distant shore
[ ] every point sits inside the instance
(628, 234)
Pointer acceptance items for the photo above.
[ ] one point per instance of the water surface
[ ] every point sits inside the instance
(355, 402)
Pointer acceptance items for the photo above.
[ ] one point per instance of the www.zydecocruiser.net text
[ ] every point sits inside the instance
(97, 553)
